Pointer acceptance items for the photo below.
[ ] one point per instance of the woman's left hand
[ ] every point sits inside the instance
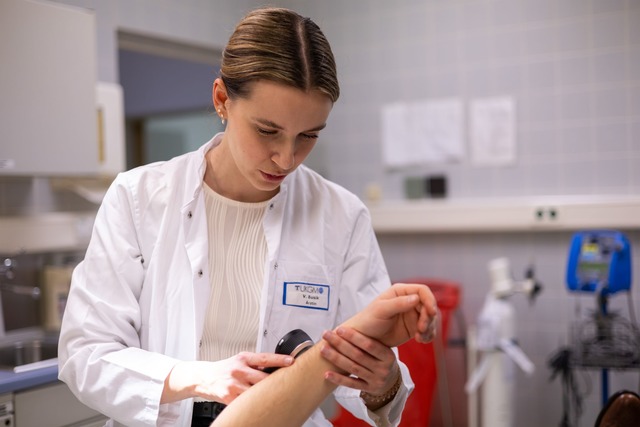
(372, 365)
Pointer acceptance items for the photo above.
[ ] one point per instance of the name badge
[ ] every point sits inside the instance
(306, 295)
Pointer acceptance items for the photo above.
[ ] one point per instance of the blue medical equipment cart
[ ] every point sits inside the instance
(600, 263)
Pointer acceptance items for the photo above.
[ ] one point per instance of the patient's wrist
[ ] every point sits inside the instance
(321, 346)
(180, 384)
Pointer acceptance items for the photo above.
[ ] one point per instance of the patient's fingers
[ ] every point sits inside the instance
(424, 294)
(428, 331)
(397, 305)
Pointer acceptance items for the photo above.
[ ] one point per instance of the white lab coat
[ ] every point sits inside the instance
(138, 300)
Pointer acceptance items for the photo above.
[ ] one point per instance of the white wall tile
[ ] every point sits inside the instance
(507, 44)
(634, 100)
(508, 79)
(572, 36)
(577, 141)
(538, 11)
(606, 6)
(541, 39)
(610, 67)
(579, 177)
(572, 9)
(610, 172)
(612, 138)
(540, 107)
(577, 105)
(610, 102)
(541, 75)
(574, 71)
(609, 30)
(475, 15)
(506, 13)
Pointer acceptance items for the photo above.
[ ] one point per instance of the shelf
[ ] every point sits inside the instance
(45, 232)
(553, 213)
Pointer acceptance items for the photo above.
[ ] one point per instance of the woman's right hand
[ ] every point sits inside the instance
(220, 381)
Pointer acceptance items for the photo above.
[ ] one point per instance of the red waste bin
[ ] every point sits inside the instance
(420, 359)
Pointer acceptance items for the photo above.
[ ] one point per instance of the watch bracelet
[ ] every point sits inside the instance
(370, 398)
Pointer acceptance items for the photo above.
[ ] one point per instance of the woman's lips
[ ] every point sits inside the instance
(272, 178)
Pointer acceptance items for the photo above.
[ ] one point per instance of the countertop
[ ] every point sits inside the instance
(11, 381)
(34, 374)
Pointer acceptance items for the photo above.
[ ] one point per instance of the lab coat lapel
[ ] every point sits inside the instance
(194, 225)
(272, 223)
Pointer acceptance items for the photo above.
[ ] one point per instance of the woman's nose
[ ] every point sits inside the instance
(284, 156)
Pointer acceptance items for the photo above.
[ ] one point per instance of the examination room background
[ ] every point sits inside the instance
(573, 68)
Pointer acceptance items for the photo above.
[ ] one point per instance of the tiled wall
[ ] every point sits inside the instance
(573, 67)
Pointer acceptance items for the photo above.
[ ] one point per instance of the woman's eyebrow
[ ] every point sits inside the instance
(318, 128)
(268, 123)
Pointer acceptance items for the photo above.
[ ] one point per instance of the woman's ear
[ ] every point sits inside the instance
(220, 98)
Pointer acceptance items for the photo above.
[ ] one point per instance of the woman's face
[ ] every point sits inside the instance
(268, 135)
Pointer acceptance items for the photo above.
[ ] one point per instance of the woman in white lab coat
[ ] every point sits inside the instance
(197, 266)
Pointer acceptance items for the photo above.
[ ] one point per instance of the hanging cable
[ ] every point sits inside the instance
(560, 364)
(632, 311)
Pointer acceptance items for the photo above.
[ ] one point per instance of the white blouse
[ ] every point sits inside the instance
(237, 255)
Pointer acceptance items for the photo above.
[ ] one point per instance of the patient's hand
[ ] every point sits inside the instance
(402, 312)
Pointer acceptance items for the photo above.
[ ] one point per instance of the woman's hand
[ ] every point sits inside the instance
(220, 381)
(395, 316)
(372, 365)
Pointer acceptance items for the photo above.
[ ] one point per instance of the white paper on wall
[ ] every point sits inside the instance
(492, 131)
(429, 131)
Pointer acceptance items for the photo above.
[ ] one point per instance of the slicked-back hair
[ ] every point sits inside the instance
(278, 45)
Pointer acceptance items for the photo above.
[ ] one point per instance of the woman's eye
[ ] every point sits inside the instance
(310, 135)
(262, 131)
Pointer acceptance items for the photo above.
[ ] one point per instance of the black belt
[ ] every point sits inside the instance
(207, 410)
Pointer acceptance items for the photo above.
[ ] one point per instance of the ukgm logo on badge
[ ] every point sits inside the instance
(306, 295)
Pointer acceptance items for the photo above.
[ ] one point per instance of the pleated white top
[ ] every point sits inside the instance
(237, 253)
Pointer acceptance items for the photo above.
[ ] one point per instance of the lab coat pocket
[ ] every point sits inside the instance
(305, 297)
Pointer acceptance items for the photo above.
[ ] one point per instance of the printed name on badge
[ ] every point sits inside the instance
(306, 295)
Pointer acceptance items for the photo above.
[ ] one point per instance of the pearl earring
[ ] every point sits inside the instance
(222, 119)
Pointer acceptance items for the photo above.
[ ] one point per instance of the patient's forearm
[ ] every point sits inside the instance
(290, 395)
(285, 400)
